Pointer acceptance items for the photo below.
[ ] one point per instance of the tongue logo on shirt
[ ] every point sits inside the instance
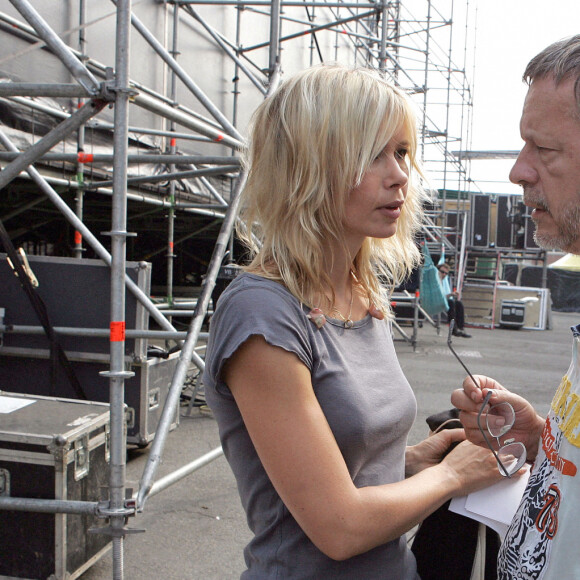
(547, 520)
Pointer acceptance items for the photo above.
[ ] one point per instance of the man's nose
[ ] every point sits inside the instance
(523, 171)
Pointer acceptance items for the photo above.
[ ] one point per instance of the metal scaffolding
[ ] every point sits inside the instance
(145, 131)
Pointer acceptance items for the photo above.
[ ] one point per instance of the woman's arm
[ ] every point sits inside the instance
(273, 390)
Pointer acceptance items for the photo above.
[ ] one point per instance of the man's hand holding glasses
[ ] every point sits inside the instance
(494, 417)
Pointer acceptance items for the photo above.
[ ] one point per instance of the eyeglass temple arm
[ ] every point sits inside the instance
(451, 325)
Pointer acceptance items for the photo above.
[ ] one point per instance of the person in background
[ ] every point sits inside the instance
(542, 541)
(455, 309)
(301, 374)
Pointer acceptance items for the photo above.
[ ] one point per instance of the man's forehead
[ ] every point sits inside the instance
(550, 109)
(546, 95)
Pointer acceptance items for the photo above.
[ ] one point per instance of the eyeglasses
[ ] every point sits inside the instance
(499, 419)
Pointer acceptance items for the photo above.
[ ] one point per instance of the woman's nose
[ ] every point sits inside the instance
(395, 175)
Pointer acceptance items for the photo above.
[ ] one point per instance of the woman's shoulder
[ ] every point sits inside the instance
(250, 297)
(250, 286)
(254, 305)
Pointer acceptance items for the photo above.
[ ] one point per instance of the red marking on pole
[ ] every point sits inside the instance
(173, 142)
(219, 138)
(117, 331)
(85, 157)
(171, 246)
(78, 238)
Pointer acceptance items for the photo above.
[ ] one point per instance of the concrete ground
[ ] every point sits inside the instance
(196, 529)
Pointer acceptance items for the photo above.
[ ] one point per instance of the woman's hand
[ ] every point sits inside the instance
(431, 451)
(473, 466)
(528, 424)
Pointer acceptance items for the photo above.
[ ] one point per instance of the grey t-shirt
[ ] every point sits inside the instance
(365, 397)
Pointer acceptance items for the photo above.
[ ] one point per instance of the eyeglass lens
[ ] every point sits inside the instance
(512, 456)
(499, 420)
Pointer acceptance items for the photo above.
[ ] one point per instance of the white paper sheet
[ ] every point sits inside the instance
(11, 404)
(496, 505)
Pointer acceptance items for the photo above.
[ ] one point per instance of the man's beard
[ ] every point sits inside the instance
(568, 226)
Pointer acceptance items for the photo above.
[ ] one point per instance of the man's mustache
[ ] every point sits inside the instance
(535, 201)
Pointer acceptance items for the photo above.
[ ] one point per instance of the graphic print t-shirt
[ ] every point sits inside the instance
(542, 542)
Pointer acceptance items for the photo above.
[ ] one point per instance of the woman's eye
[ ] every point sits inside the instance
(400, 154)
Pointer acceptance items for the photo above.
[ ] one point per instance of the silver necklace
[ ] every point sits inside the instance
(348, 322)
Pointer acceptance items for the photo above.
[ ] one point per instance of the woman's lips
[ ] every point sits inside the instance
(391, 211)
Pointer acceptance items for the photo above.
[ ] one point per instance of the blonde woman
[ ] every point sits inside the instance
(301, 373)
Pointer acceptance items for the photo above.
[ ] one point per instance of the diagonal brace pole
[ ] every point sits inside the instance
(56, 135)
(185, 78)
(187, 349)
(72, 63)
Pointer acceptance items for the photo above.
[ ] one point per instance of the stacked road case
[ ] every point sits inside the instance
(76, 293)
(51, 449)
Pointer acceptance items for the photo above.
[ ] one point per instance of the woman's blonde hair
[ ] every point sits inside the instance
(310, 144)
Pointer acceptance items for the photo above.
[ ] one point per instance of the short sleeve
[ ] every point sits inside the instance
(251, 307)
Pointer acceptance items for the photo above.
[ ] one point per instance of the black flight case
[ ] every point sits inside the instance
(51, 448)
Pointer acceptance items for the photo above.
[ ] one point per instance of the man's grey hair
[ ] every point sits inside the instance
(560, 60)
